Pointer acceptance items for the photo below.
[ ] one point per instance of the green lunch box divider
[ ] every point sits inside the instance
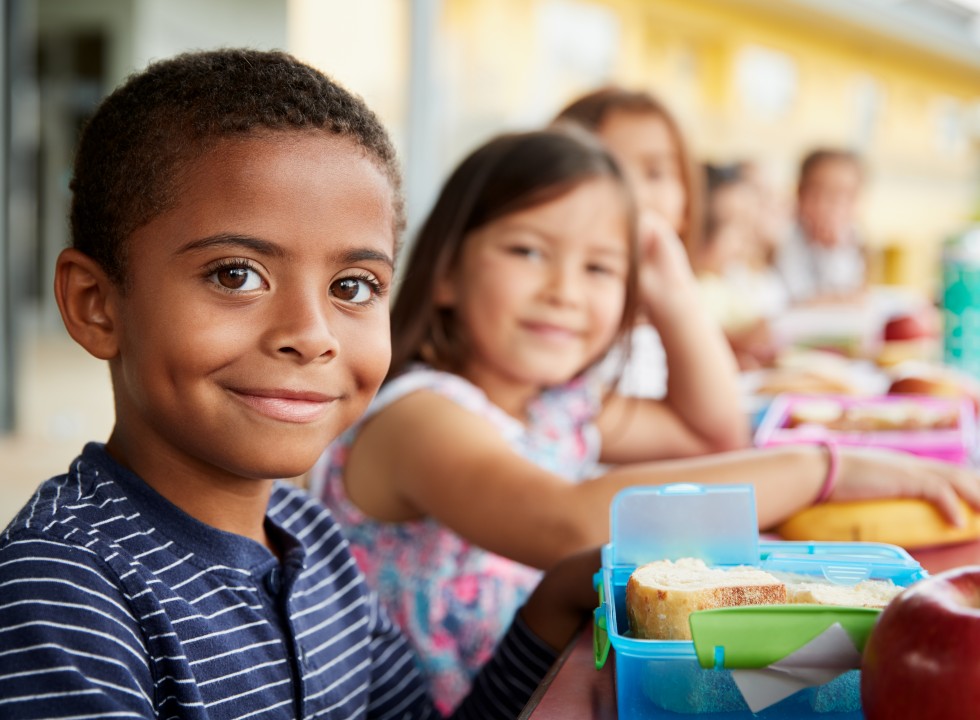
(757, 636)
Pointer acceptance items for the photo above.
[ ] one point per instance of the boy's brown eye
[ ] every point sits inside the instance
(353, 290)
(233, 278)
(237, 277)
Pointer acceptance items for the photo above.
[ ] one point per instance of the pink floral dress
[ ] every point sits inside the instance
(455, 600)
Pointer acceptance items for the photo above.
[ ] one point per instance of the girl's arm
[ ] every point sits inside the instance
(702, 411)
(425, 456)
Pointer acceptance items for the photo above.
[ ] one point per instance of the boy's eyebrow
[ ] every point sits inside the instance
(248, 242)
(363, 254)
(268, 248)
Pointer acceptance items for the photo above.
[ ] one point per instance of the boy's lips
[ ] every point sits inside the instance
(286, 405)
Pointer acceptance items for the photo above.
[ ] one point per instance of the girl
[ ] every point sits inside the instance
(647, 141)
(476, 459)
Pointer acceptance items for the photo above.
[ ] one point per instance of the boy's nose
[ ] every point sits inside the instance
(301, 328)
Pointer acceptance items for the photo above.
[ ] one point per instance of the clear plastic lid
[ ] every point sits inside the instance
(715, 523)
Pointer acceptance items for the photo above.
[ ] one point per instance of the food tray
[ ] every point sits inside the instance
(953, 443)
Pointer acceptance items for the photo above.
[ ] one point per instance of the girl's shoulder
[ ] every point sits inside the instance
(454, 387)
(579, 399)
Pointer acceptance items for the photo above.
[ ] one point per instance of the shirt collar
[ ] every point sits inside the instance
(216, 546)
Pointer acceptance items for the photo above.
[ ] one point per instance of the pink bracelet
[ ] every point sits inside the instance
(833, 465)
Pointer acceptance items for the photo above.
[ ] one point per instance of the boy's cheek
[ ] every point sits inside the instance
(372, 358)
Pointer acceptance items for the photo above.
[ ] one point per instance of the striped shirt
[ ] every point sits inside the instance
(114, 603)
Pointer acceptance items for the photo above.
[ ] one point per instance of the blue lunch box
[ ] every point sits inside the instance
(664, 678)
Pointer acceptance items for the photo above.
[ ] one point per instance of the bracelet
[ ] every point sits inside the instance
(833, 466)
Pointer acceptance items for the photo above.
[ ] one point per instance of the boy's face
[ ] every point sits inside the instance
(252, 330)
(827, 202)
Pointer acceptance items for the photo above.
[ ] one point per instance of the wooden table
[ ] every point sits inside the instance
(575, 690)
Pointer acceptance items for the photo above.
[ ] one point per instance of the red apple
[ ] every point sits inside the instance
(922, 659)
(937, 386)
(912, 326)
(946, 386)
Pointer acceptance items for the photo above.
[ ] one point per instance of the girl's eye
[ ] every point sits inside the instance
(610, 269)
(240, 278)
(663, 171)
(526, 251)
(357, 290)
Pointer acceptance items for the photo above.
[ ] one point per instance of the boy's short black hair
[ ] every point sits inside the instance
(821, 155)
(133, 151)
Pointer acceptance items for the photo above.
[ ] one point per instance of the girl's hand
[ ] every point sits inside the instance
(870, 474)
(666, 279)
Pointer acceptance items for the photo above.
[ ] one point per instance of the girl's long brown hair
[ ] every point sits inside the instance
(509, 173)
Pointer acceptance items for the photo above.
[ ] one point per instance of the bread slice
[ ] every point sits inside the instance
(661, 595)
(867, 593)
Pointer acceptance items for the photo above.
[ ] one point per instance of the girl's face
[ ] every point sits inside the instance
(254, 328)
(645, 148)
(539, 293)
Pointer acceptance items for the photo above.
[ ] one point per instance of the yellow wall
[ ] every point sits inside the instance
(363, 45)
(686, 51)
(919, 190)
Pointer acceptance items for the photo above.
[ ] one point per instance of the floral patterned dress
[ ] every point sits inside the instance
(455, 600)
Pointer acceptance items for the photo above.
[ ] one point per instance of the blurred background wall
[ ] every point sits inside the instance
(760, 80)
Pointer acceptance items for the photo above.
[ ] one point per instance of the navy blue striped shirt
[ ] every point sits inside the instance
(114, 603)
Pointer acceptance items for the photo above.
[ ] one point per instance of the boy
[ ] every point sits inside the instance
(823, 259)
(234, 223)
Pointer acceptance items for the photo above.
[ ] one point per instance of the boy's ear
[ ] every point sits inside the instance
(85, 298)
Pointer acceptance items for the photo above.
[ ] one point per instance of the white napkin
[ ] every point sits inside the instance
(828, 655)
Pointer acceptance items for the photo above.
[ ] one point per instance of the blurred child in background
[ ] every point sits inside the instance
(775, 215)
(740, 291)
(475, 463)
(823, 257)
(647, 141)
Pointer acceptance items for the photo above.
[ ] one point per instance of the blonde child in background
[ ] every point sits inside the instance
(647, 141)
(741, 295)
(774, 213)
(474, 465)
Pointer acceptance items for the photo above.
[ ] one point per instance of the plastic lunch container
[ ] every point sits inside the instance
(953, 444)
(664, 678)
